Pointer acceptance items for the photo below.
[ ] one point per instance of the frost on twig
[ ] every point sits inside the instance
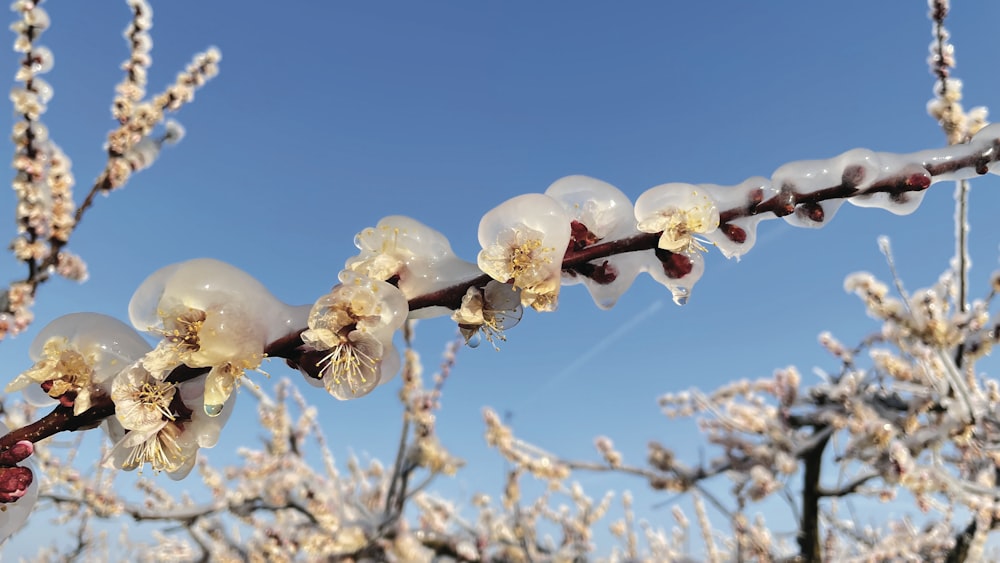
(958, 125)
(900, 416)
(279, 503)
(43, 182)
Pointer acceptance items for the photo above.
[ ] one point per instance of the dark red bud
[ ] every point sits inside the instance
(939, 11)
(785, 200)
(920, 180)
(734, 233)
(580, 236)
(14, 482)
(813, 211)
(852, 176)
(604, 274)
(17, 453)
(676, 266)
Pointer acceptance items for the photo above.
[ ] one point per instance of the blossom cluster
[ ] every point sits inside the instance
(287, 507)
(916, 416)
(958, 124)
(212, 321)
(133, 146)
(46, 214)
(43, 179)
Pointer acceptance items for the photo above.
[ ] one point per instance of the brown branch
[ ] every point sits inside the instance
(62, 419)
(847, 489)
(963, 541)
(810, 541)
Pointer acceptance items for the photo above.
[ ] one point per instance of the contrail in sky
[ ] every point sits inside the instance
(598, 348)
(624, 329)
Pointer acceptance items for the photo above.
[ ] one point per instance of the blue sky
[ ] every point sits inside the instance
(327, 116)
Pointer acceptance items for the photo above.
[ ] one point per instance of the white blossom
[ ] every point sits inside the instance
(208, 314)
(524, 240)
(354, 324)
(76, 356)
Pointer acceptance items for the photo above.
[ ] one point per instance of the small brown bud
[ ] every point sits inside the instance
(852, 176)
(676, 266)
(785, 201)
(813, 211)
(734, 233)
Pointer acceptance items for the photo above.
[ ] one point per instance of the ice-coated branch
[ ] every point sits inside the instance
(805, 193)
(345, 342)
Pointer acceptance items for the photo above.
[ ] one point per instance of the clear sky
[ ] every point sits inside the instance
(327, 116)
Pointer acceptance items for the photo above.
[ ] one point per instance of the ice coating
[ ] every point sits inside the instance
(205, 283)
(737, 236)
(805, 193)
(604, 209)
(352, 327)
(290, 319)
(210, 314)
(114, 343)
(142, 308)
(105, 343)
(937, 157)
(855, 169)
(202, 430)
(680, 212)
(15, 514)
(601, 212)
(902, 203)
(202, 283)
(420, 258)
(524, 240)
(989, 138)
(487, 313)
(387, 316)
(690, 267)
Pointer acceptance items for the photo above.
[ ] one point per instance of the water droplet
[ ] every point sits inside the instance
(474, 340)
(213, 410)
(680, 295)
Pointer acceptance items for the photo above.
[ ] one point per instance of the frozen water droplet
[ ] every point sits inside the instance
(213, 410)
(681, 295)
(474, 340)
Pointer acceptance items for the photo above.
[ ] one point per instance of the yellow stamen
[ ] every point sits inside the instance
(347, 362)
